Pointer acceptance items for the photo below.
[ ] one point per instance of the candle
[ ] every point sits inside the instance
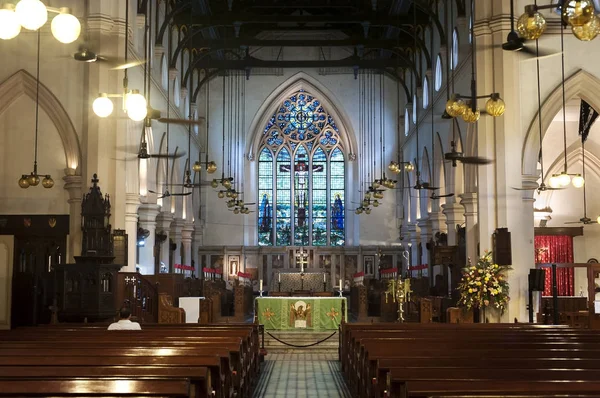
(324, 278)
(279, 277)
(340, 284)
(260, 288)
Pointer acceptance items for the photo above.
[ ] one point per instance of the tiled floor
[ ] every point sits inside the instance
(298, 375)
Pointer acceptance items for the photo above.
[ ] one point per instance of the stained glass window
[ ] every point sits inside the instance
(337, 180)
(306, 182)
(265, 198)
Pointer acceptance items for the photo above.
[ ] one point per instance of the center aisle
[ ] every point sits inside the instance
(301, 375)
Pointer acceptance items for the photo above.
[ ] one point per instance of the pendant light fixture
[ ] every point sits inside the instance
(564, 179)
(32, 15)
(580, 15)
(33, 178)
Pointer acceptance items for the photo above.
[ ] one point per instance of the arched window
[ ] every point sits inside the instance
(414, 109)
(438, 73)
(425, 93)
(406, 123)
(301, 176)
(454, 52)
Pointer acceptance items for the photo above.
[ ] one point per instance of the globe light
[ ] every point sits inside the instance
(357, 211)
(554, 182)
(375, 184)
(214, 183)
(211, 167)
(469, 116)
(455, 106)
(587, 31)
(9, 24)
(598, 220)
(409, 167)
(197, 167)
(136, 106)
(24, 182)
(33, 180)
(368, 210)
(577, 12)
(65, 26)
(47, 182)
(221, 194)
(376, 203)
(31, 14)
(226, 184)
(578, 181)
(236, 211)
(495, 106)
(531, 25)
(102, 105)
(564, 179)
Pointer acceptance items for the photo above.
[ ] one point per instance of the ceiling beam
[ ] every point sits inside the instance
(404, 42)
(250, 63)
(231, 19)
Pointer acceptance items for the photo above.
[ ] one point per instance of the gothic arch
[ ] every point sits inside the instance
(23, 83)
(581, 84)
(302, 81)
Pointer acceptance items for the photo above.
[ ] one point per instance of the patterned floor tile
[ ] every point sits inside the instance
(301, 375)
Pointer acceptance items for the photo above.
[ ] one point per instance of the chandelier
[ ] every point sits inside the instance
(33, 179)
(580, 15)
(32, 15)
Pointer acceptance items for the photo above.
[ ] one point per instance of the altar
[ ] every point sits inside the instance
(314, 281)
(301, 313)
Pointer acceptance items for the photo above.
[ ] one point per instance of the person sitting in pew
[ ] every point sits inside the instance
(124, 322)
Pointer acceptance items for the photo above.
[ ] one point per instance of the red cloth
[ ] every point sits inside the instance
(556, 249)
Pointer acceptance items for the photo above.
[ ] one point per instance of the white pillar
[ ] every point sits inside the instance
(163, 226)
(196, 243)
(73, 185)
(469, 202)
(176, 235)
(147, 220)
(186, 241)
(132, 204)
(413, 231)
(455, 215)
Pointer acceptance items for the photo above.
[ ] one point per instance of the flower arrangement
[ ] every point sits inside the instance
(484, 284)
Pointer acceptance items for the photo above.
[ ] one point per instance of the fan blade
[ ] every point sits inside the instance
(249, 204)
(154, 192)
(475, 160)
(574, 222)
(180, 121)
(127, 65)
(449, 195)
(181, 194)
(524, 189)
(168, 155)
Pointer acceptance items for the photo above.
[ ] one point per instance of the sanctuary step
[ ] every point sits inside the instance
(301, 338)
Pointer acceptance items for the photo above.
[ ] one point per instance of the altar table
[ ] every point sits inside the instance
(301, 313)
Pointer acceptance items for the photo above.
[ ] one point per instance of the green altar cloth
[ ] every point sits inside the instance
(301, 313)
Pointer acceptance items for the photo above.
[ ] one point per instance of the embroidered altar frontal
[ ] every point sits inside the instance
(301, 313)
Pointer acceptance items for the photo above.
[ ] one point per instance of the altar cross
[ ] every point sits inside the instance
(302, 259)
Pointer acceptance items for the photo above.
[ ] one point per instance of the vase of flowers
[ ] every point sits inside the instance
(484, 285)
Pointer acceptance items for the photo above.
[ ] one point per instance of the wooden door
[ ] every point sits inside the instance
(33, 282)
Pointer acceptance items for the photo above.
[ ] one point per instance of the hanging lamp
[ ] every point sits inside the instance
(33, 178)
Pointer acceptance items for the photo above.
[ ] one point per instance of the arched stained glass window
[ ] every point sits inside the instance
(306, 181)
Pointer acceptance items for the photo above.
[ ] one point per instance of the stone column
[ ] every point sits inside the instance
(426, 234)
(176, 235)
(132, 204)
(73, 185)
(186, 241)
(163, 225)
(414, 232)
(455, 215)
(196, 243)
(469, 202)
(147, 220)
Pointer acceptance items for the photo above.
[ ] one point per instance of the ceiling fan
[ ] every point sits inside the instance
(456, 156)
(84, 54)
(167, 194)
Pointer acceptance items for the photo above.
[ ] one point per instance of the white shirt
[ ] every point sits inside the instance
(124, 324)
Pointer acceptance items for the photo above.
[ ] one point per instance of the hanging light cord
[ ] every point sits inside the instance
(539, 95)
(562, 56)
(37, 103)
(413, 88)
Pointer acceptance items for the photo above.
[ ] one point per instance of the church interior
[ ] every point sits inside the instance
(299, 198)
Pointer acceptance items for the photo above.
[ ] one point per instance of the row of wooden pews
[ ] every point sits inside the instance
(161, 360)
(469, 360)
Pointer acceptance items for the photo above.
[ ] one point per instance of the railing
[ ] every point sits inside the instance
(140, 294)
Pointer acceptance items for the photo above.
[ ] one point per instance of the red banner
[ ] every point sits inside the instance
(244, 275)
(184, 267)
(556, 249)
(389, 271)
(418, 267)
(359, 274)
